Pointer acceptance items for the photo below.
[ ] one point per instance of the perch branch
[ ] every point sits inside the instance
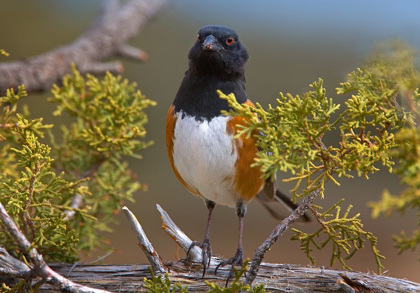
(276, 233)
(278, 278)
(144, 243)
(106, 38)
(40, 268)
(275, 277)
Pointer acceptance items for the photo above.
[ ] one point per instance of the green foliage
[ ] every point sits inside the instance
(343, 232)
(237, 285)
(157, 284)
(38, 184)
(109, 121)
(6, 289)
(396, 63)
(403, 243)
(29, 188)
(290, 135)
(109, 115)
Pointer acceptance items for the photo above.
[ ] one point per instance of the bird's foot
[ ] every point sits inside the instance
(237, 260)
(207, 253)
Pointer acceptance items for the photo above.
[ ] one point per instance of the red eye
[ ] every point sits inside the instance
(230, 41)
(198, 38)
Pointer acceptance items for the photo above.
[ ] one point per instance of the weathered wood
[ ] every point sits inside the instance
(144, 243)
(195, 253)
(276, 278)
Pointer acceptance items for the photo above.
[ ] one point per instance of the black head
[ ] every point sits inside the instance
(218, 50)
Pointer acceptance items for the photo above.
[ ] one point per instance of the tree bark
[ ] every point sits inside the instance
(106, 38)
(275, 277)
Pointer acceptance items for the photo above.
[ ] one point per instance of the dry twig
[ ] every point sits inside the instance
(276, 233)
(144, 243)
(195, 253)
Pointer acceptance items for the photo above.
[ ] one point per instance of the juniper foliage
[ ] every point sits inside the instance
(38, 183)
(237, 285)
(162, 284)
(397, 63)
(372, 123)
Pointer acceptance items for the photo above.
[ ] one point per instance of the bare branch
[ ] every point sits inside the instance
(278, 278)
(277, 232)
(40, 269)
(9, 262)
(195, 253)
(132, 53)
(16, 274)
(105, 39)
(275, 277)
(144, 243)
(100, 68)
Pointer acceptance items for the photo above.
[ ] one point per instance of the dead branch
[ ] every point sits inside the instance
(106, 38)
(40, 268)
(156, 262)
(275, 277)
(276, 233)
(195, 254)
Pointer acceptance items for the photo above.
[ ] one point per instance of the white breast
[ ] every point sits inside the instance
(203, 155)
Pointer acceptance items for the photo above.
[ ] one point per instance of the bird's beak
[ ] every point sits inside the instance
(211, 44)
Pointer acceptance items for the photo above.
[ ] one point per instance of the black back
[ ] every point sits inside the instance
(211, 71)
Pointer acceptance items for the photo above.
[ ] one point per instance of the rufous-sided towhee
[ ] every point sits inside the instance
(202, 150)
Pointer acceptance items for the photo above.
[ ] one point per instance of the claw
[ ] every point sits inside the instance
(207, 253)
(237, 260)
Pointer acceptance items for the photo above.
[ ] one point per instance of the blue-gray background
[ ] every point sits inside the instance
(291, 44)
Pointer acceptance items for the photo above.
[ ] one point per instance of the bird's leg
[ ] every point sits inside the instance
(238, 259)
(205, 245)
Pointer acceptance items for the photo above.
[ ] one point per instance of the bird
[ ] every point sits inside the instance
(204, 154)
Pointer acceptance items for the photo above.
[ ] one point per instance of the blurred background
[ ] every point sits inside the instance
(291, 44)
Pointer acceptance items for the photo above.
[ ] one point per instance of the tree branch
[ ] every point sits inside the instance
(276, 278)
(195, 254)
(276, 233)
(144, 243)
(106, 38)
(40, 268)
